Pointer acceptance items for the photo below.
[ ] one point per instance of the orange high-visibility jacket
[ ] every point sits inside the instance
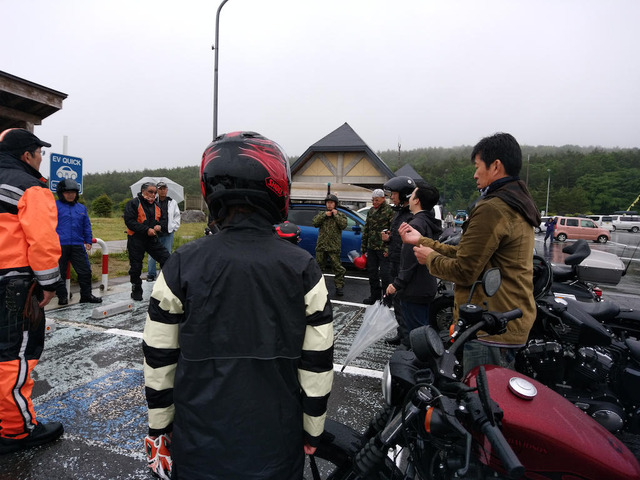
(28, 218)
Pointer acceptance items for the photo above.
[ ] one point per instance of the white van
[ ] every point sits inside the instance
(630, 223)
(604, 221)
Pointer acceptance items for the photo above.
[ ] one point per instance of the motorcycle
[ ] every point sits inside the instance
(494, 423)
(582, 359)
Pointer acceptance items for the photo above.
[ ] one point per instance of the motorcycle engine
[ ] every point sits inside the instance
(544, 361)
(590, 366)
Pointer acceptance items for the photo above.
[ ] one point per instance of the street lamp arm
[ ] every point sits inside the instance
(216, 48)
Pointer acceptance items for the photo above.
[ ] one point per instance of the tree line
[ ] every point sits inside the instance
(581, 179)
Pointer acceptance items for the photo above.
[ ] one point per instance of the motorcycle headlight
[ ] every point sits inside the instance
(386, 384)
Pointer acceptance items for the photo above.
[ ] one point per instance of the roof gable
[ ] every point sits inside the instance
(342, 139)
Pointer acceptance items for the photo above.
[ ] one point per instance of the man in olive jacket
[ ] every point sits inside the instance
(499, 233)
(378, 220)
(330, 224)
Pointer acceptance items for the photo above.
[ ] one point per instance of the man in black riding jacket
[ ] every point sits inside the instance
(238, 344)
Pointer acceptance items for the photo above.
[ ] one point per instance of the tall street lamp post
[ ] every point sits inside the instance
(216, 47)
(546, 211)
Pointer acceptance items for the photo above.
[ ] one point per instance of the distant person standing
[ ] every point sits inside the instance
(378, 220)
(449, 221)
(142, 218)
(330, 224)
(169, 223)
(550, 224)
(76, 239)
(29, 274)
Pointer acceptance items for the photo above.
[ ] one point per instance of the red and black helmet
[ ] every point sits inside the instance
(289, 231)
(245, 168)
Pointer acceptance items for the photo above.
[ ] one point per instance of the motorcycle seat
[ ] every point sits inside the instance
(601, 311)
(634, 348)
(562, 273)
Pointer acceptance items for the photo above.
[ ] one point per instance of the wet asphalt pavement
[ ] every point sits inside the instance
(90, 378)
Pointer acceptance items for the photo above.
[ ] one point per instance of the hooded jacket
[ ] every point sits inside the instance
(74, 226)
(414, 283)
(499, 233)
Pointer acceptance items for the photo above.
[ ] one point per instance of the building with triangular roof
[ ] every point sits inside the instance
(341, 157)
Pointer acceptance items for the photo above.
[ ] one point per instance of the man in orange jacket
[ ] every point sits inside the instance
(29, 253)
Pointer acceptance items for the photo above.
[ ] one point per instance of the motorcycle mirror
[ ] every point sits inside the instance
(491, 281)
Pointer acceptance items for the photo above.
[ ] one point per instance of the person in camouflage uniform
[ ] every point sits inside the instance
(330, 223)
(378, 220)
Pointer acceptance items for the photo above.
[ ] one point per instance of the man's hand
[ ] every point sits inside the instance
(47, 298)
(151, 232)
(328, 213)
(409, 234)
(309, 450)
(87, 246)
(422, 253)
(385, 234)
(391, 290)
(158, 450)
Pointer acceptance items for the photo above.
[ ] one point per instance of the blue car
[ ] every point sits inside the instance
(302, 215)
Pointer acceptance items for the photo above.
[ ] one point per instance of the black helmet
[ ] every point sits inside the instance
(245, 168)
(67, 185)
(403, 185)
(331, 198)
(289, 231)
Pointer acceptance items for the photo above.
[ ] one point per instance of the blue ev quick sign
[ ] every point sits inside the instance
(62, 167)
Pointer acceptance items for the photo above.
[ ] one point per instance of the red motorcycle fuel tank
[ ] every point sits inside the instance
(552, 437)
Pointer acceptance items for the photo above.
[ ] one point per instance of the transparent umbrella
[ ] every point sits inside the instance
(175, 189)
(378, 321)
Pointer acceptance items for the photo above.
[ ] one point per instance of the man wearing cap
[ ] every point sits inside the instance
(330, 224)
(378, 220)
(29, 275)
(169, 223)
(142, 218)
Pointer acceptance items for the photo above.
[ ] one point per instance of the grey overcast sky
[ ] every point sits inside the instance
(425, 73)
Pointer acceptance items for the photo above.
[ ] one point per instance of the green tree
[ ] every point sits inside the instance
(102, 206)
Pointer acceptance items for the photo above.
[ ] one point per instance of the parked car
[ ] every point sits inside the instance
(627, 222)
(302, 215)
(578, 227)
(604, 221)
(541, 228)
(364, 211)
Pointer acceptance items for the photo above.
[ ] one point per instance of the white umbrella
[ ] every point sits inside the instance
(175, 190)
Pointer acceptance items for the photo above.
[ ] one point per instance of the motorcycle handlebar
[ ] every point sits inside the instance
(511, 314)
(496, 323)
(510, 461)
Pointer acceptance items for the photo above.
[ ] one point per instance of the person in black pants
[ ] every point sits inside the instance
(74, 231)
(400, 190)
(142, 218)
